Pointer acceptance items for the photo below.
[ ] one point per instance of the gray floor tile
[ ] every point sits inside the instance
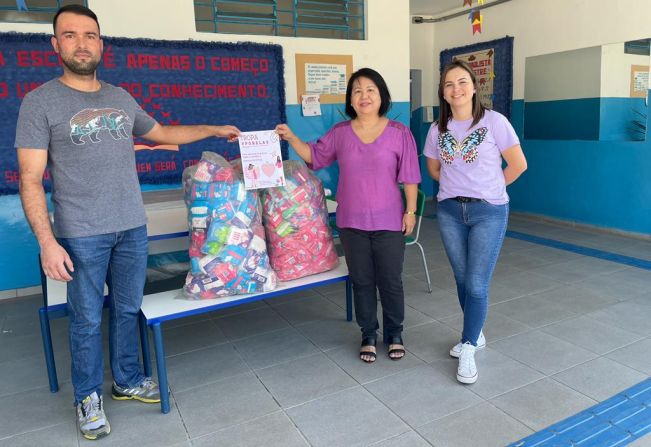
(431, 341)
(62, 435)
(19, 414)
(30, 373)
(542, 403)
(519, 285)
(347, 357)
(644, 441)
(635, 355)
(329, 334)
(301, 380)
(201, 334)
(309, 309)
(350, 418)
(600, 378)
(273, 430)
(591, 334)
(422, 394)
(629, 315)
(204, 366)
(409, 439)
(438, 304)
(577, 269)
(292, 297)
(623, 284)
(261, 351)
(132, 420)
(497, 326)
(498, 374)
(480, 426)
(253, 322)
(224, 403)
(577, 298)
(534, 310)
(413, 317)
(543, 352)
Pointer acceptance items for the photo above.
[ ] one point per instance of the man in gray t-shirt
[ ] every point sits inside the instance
(82, 129)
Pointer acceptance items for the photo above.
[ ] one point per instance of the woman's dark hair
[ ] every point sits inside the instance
(385, 96)
(75, 9)
(445, 113)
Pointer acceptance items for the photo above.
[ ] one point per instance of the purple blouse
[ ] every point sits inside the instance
(368, 195)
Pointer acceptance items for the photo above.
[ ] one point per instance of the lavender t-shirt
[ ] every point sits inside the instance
(368, 195)
(471, 161)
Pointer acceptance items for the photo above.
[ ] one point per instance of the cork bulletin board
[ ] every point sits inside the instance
(325, 74)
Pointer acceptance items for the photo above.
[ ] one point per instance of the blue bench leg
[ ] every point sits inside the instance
(349, 300)
(47, 349)
(144, 343)
(162, 369)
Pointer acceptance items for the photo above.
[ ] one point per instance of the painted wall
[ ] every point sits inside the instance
(384, 51)
(600, 183)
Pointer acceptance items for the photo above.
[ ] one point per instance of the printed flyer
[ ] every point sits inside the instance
(262, 162)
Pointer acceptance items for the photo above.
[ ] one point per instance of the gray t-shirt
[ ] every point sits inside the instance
(95, 188)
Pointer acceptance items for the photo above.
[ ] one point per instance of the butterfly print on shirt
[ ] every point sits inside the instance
(449, 147)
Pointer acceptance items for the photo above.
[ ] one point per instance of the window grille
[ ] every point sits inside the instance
(332, 19)
(33, 11)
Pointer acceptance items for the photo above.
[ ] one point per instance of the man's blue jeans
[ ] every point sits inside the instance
(120, 259)
(472, 235)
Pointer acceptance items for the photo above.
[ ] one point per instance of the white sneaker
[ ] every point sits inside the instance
(467, 369)
(456, 349)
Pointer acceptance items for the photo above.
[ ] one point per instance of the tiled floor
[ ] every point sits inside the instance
(565, 331)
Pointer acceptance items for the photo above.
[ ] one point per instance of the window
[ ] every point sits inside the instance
(330, 19)
(33, 11)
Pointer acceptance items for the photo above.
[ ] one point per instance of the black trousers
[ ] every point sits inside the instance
(374, 260)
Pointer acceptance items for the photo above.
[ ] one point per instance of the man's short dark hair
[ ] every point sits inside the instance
(385, 96)
(75, 9)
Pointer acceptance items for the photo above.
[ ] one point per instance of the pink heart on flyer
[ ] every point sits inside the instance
(268, 169)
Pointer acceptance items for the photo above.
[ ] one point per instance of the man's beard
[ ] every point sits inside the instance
(80, 68)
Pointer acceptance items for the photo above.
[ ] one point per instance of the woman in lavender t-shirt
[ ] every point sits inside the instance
(464, 153)
(375, 155)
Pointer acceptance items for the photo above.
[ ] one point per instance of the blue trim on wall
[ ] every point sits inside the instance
(569, 119)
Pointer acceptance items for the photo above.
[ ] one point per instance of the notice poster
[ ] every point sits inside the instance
(262, 163)
(482, 63)
(325, 79)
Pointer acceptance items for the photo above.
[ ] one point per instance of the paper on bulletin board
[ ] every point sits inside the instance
(639, 81)
(262, 163)
(311, 105)
(325, 74)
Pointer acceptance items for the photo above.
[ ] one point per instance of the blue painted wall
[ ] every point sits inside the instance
(19, 250)
(570, 119)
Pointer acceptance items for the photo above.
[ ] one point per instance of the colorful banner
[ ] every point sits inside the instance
(176, 82)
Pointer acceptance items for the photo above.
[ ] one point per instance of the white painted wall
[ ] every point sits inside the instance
(540, 27)
(386, 48)
(616, 70)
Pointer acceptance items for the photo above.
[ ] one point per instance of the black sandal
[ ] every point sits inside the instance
(395, 340)
(368, 341)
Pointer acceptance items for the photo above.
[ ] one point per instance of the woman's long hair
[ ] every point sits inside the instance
(445, 112)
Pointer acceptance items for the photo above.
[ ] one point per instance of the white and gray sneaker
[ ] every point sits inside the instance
(456, 349)
(467, 369)
(92, 420)
(147, 392)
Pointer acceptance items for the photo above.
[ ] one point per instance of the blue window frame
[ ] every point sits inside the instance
(332, 19)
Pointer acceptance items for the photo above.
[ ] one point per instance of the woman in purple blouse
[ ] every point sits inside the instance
(465, 150)
(375, 155)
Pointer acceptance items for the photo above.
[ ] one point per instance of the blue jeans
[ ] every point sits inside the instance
(120, 259)
(472, 235)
